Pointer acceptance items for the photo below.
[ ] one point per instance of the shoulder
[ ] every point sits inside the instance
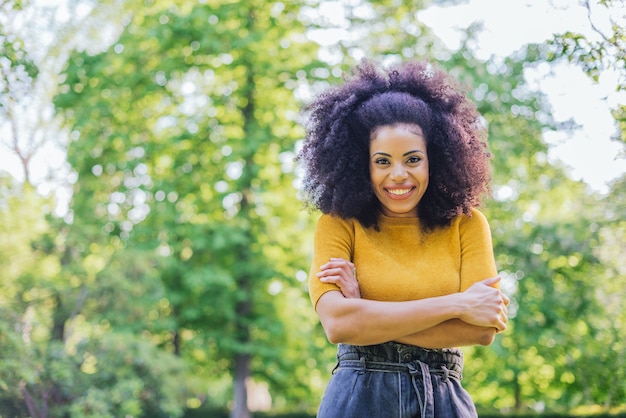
(329, 222)
(474, 219)
(334, 237)
(475, 216)
(473, 223)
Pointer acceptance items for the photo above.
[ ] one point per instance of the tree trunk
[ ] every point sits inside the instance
(31, 404)
(242, 358)
(57, 332)
(176, 342)
(517, 388)
(244, 307)
(242, 372)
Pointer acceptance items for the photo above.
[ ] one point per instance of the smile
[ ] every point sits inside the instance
(400, 192)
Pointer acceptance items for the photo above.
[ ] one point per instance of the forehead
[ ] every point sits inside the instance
(398, 136)
(400, 126)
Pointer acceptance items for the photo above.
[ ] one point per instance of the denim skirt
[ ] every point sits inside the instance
(393, 380)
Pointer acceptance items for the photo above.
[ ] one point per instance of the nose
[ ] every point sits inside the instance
(398, 172)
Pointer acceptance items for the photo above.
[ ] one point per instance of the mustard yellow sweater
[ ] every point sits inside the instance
(398, 263)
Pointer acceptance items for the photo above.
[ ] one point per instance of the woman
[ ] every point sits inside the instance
(396, 162)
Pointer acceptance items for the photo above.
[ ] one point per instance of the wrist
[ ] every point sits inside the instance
(456, 306)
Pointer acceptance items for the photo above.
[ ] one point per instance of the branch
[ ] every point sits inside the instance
(613, 41)
(593, 25)
(30, 401)
(15, 147)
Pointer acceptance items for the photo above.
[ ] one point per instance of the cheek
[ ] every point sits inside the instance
(376, 176)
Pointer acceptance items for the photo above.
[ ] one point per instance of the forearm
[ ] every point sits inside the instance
(367, 322)
(451, 333)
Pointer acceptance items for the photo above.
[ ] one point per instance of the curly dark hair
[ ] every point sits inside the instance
(340, 123)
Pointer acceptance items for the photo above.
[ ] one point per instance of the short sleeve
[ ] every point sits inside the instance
(477, 259)
(334, 238)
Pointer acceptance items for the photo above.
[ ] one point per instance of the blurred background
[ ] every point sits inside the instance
(154, 251)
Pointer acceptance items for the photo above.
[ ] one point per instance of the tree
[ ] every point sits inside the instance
(544, 225)
(52, 271)
(548, 236)
(185, 137)
(606, 52)
(184, 246)
(18, 75)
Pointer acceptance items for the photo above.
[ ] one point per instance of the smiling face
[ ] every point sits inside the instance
(399, 168)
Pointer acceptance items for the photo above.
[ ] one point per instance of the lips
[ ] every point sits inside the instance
(399, 193)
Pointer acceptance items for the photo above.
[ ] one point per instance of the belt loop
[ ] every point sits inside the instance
(363, 365)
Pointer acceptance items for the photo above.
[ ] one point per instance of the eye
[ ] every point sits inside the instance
(381, 161)
(414, 159)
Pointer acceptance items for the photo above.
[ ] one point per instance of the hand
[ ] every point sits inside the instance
(342, 273)
(484, 305)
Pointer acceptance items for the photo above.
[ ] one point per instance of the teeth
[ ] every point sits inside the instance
(398, 192)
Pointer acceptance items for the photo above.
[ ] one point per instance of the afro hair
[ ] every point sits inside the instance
(340, 123)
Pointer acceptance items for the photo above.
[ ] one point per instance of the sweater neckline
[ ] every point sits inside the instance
(398, 221)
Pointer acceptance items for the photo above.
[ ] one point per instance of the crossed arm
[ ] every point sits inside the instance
(472, 317)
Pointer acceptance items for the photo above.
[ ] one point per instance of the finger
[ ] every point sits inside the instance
(492, 281)
(336, 270)
(330, 272)
(341, 262)
(338, 263)
(332, 279)
(345, 286)
(339, 275)
(501, 326)
(347, 269)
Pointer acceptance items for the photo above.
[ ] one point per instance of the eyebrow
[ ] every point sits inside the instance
(404, 155)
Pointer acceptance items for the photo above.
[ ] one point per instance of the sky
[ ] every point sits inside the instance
(507, 26)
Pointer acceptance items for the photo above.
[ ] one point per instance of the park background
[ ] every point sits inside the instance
(157, 267)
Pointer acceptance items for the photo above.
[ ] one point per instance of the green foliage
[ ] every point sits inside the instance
(180, 269)
(17, 69)
(606, 51)
(57, 362)
(129, 376)
(195, 181)
(556, 245)
(547, 230)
